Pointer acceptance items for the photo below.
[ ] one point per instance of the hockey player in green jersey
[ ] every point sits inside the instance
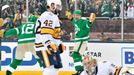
(82, 30)
(26, 39)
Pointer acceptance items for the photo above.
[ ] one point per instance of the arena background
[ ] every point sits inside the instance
(112, 34)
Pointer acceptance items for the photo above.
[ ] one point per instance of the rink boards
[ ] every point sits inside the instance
(117, 53)
(36, 73)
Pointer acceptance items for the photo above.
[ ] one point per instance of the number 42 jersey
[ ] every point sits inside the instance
(25, 32)
(48, 22)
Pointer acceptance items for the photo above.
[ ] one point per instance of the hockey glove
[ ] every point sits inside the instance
(92, 17)
(69, 14)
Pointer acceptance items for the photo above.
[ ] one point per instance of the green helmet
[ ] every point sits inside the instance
(33, 18)
(78, 12)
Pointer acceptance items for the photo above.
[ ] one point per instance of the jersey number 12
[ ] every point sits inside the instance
(27, 29)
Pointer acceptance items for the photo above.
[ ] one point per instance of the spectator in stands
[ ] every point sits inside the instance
(130, 11)
(125, 10)
(116, 8)
(107, 10)
(41, 6)
(19, 4)
(36, 13)
(17, 18)
(98, 8)
(91, 9)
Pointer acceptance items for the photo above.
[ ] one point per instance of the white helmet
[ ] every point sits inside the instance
(57, 3)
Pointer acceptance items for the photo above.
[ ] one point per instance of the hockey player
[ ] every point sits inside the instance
(92, 67)
(48, 24)
(82, 29)
(26, 39)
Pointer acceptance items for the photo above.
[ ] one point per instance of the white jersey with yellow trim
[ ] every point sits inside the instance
(49, 21)
(107, 68)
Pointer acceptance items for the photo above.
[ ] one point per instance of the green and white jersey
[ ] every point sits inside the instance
(82, 29)
(25, 32)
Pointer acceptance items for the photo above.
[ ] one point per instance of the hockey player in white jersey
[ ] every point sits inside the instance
(46, 26)
(92, 67)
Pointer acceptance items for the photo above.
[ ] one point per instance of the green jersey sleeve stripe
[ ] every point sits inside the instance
(87, 26)
(17, 30)
(82, 38)
(78, 63)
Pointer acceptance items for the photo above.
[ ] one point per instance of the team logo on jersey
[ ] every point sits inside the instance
(128, 56)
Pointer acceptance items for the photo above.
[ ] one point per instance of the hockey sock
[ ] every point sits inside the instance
(14, 64)
(58, 61)
(77, 61)
(40, 62)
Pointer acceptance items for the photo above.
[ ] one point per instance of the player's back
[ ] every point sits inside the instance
(26, 32)
(49, 20)
(105, 68)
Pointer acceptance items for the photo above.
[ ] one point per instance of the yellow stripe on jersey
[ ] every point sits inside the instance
(37, 45)
(47, 31)
(57, 33)
(45, 58)
(118, 70)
